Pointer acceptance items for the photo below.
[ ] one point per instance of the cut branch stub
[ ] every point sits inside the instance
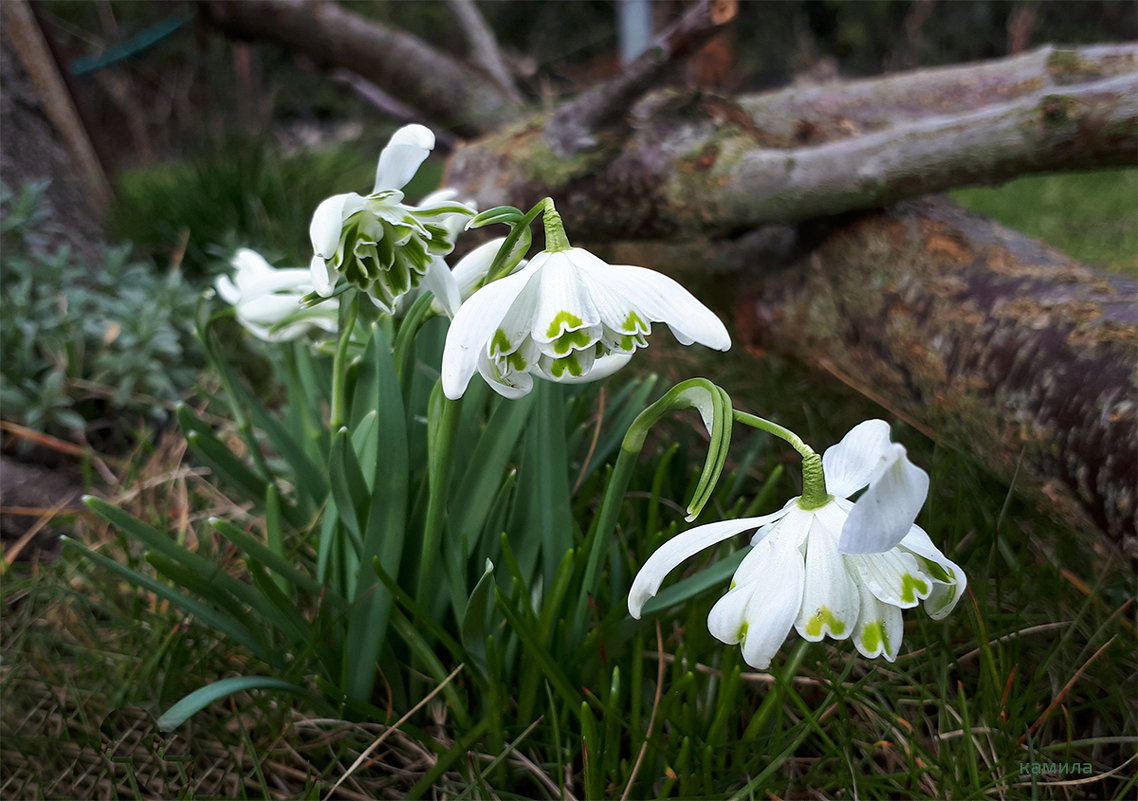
(985, 339)
(575, 125)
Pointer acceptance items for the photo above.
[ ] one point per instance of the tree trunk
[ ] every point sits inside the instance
(977, 335)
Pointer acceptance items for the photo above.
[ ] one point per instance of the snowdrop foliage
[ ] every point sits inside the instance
(267, 300)
(567, 316)
(378, 243)
(841, 569)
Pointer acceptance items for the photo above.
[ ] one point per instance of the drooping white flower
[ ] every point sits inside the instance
(378, 243)
(841, 569)
(567, 316)
(267, 300)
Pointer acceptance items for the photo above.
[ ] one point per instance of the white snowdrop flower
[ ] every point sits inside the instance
(267, 300)
(839, 568)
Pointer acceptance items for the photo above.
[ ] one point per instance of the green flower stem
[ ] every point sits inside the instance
(221, 367)
(598, 539)
(814, 494)
(443, 417)
(555, 239)
(339, 361)
(686, 394)
(418, 314)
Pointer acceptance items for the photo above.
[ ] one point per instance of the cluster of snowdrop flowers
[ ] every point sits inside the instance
(823, 564)
(566, 316)
(379, 244)
(267, 299)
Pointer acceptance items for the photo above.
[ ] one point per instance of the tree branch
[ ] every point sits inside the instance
(572, 128)
(402, 65)
(842, 109)
(696, 165)
(484, 47)
(986, 339)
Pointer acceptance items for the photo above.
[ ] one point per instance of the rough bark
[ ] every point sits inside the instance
(841, 109)
(985, 339)
(406, 67)
(697, 165)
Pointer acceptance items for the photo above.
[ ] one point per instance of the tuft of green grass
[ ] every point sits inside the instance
(1091, 216)
(245, 194)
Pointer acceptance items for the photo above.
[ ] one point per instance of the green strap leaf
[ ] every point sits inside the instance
(202, 697)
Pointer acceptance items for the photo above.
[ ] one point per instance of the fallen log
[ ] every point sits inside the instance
(985, 339)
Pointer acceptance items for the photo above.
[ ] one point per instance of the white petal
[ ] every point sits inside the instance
(248, 260)
(440, 196)
(400, 160)
(328, 222)
(227, 289)
(884, 514)
(830, 597)
(792, 529)
(323, 278)
(662, 299)
(850, 464)
(762, 610)
(563, 306)
(269, 309)
(512, 384)
(473, 267)
(440, 281)
(879, 628)
(294, 280)
(893, 577)
(472, 328)
(685, 544)
(948, 585)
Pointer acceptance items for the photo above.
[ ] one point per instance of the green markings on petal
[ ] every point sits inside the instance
(937, 572)
(562, 321)
(824, 617)
(570, 363)
(500, 344)
(634, 325)
(742, 632)
(571, 340)
(517, 362)
(910, 583)
(500, 347)
(873, 636)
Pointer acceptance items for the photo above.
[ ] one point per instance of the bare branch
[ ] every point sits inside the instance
(404, 66)
(572, 127)
(842, 109)
(390, 105)
(484, 47)
(696, 165)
